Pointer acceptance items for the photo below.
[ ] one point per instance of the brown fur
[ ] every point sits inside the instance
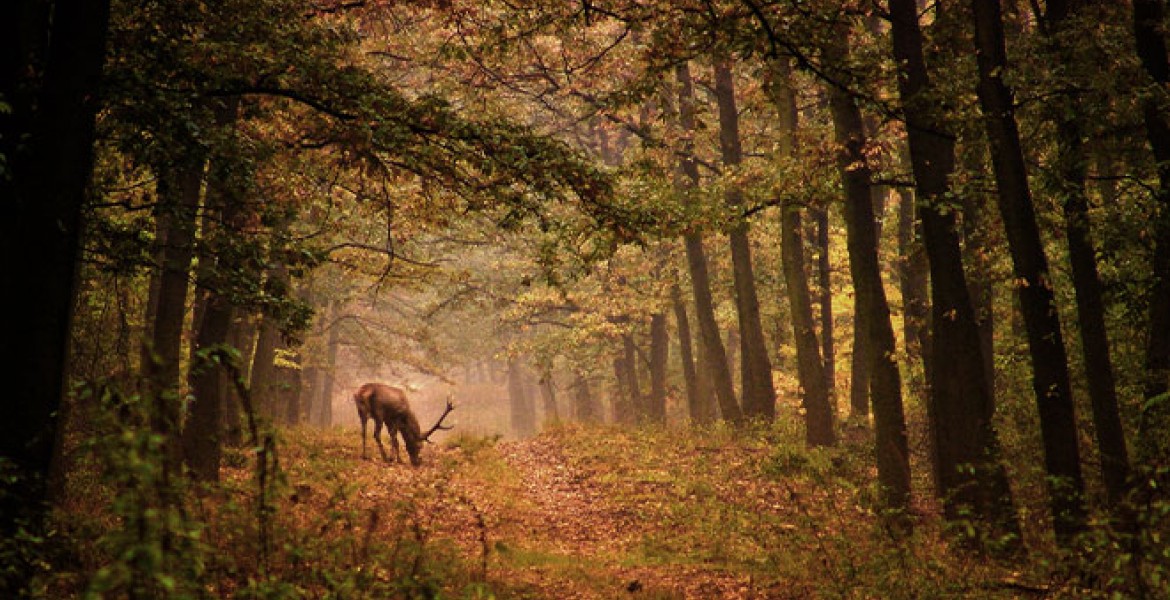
(388, 406)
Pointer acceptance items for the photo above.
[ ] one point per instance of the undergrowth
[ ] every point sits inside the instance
(701, 512)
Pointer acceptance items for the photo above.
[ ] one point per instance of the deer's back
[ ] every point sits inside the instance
(386, 402)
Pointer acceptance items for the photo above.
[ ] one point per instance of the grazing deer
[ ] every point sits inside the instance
(388, 406)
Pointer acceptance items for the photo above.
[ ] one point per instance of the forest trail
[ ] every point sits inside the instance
(545, 522)
(592, 540)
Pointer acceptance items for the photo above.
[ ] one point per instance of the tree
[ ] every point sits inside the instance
(715, 356)
(1050, 378)
(759, 395)
(1149, 17)
(1071, 171)
(819, 426)
(49, 75)
(885, 382)
(963, 439)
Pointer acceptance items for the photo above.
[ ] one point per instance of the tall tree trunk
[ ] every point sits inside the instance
(179, 190)
(242, 337)
(548, 396)
(47, 139)
(637, 408)
(977, 253)
(687, 356)
(263, 379)
(202, 449)
(912, 270)
(966, 451)
(1050, 378)
(819, 426)
(587, 409)
(332, 345)
(292, 390)
(202, 439)
(623, 398)
(715, 357)
(1071, 168)
(885, 382)
(1153, 447)
(825, 293)
(659, 355)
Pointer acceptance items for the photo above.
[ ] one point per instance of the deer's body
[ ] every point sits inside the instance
(388, 406)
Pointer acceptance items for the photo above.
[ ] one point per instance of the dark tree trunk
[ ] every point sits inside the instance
(687, 358)
(202, 433)
(633, 383)
(1153, 445)
(715, 357)
(819, 427)
(314, 378)
(977, 253)
(1071, 167)
(242, 336)
(291, 389)
(548, 396)
(202, 447)
(179, 191)
(966, 451)
(333, 343)
(263, 380)
(825, 293)
(46, 139)
(885, 382)
(912, 270)
(623, 399)
(659, 355)
(862, 361)
(731, 341)
(1050, 378)
(587, 409)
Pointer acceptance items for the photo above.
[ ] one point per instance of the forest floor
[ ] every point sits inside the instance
(612, 513)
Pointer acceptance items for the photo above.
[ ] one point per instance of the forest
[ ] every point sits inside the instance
(663, 298)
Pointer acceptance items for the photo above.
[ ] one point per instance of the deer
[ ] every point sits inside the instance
(388, 406)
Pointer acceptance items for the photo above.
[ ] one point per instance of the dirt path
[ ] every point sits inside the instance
(559, 534)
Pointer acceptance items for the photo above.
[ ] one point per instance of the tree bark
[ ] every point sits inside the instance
(202, 432)
(1050, 378)
(686, 354)
(47, 139)
(825, 293)
(819, 426)
(885, 382)
(263, 380)
(977, 258)
(1071, 168)
(715, 356)
(659, 355)
(966, 451)
(587, 409)
(1153, 444)
(333, 344)
(548, 396)
(633, 383)
(912, 270)
(179, 189)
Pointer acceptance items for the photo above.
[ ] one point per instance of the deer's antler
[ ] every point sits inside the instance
(439, 424)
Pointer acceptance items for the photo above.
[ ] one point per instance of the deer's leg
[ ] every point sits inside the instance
(378, 438)
(365, 456)
(392, 429)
